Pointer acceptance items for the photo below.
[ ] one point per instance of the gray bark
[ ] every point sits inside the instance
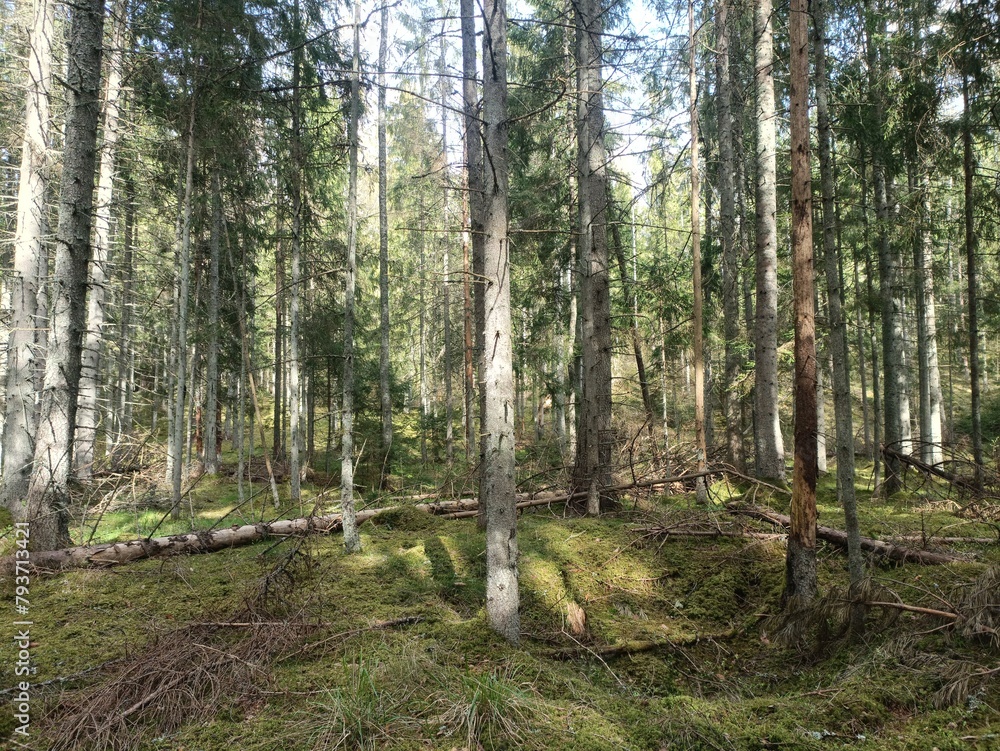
(352, 542)
(47, 492)
(90, 374)
(385, 395)
(972, 278)
(210, 451)
(929, 374)
(449, 407)
(769, 448)
(839, 351)
(20, 419)
(294, 385)
(593, 454)
(730, 241)
(697, 322)
(498, 486)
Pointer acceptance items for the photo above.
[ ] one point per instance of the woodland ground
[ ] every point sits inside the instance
(291, 644)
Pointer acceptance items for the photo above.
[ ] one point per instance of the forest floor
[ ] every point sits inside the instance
(629, 641)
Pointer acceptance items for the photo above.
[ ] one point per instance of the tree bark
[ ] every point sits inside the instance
(593, 455)
(298, 167)
(88, 411)
(968, 169)
(697, 322)
(839, 351)
(449, 407)
(927, 352)
(210, 452)
(385, 393)
(352, 542)
(27, 316)
(800, 581)
(498, 372)
(47, 494)
(730, 241)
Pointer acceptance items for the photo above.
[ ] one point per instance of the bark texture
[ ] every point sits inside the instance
(498, 489)
(385, 394)
(800, 580)
(594, 442)
(47, 491)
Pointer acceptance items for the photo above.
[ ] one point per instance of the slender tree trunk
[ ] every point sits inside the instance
(279, 349)
(352, 542)
(211, 450)
(297, 166)
(47, 494)
(27, 317)
(697, 322)
(768, 445)
(184, 279)
(385, 393)
(971, 240)
(839, 351)
(498, 373)
(593, 455)
(90, 371)
(877, 420)
(126, 386)
(929, 376)
(449, 407)
(800, 581)
(730, 241)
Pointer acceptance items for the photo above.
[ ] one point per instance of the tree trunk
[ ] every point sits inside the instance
(449, 407)
(352, 542)
(20, 419)
(800, 581)
(498, 374)
(929, 375)
(769, 448)
(47, 494)
(126, 371)
(90, 369)
(297, 166)
(183, 282)
(279, 348)
(593, 455)
(839, 351)
(968, 168)
(385, 393)
(697, 322)
(210, 454)
(730, 241)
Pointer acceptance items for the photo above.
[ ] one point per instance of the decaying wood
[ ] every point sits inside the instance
(838, 538)
(112, 554)
(916, 609)
(665, 532)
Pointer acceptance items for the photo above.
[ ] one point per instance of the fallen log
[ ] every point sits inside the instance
(665, 532)
(113, 554)
(838, 538)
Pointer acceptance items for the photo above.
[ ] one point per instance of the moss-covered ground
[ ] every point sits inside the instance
(682, 645)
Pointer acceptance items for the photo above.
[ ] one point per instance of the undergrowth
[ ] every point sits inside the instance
(630, 641)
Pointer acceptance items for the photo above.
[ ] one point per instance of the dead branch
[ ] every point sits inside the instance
(916, 609)
(838, 538)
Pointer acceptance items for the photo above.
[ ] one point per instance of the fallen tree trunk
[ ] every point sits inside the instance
(112, 554)
(665, 532)
(838, 538)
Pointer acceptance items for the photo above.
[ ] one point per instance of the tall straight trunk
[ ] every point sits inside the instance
(498, 371)
(839, 351)
(930, 373)
(730, 241)
(971, 240)
(769, 450)
(183, 283)
(800, 579)
(210, 453)
(47, 494)
(894, 378)
(877, 419)
(277, 434)
(27, 317)
(424, 392)
(449, 407)
(352, 542)
(697, 322)
(385, 393)
(90, 370)
(821, 356)
(294, 365)
(629, 286)
(574, 366)
(593, 453)
(125, 379)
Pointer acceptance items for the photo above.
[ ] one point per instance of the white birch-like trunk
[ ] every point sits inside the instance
(352, 541)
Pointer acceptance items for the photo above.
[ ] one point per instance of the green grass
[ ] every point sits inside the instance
(712, 676)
